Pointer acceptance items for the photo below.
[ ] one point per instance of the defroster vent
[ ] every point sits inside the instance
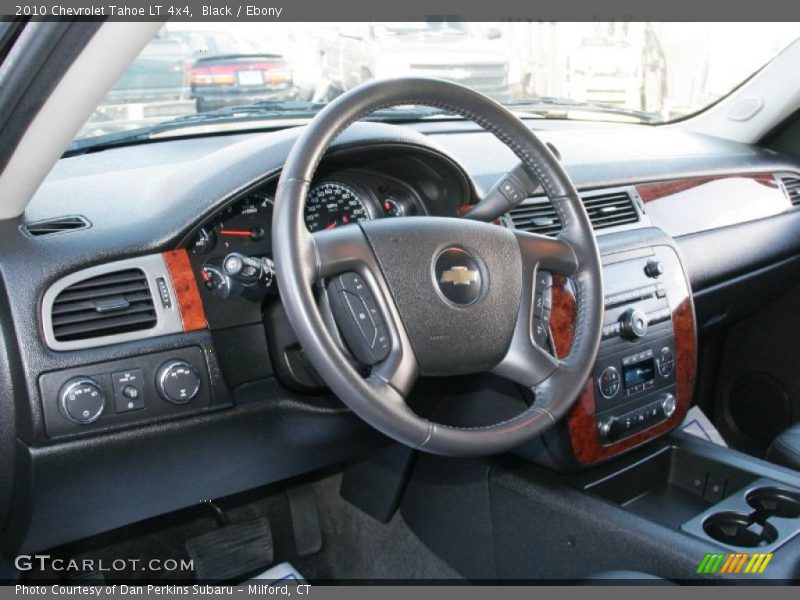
(54, 226)
(108, 304)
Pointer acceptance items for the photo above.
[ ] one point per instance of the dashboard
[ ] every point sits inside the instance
(191, 204)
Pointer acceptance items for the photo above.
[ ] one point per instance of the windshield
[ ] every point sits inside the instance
(203, 73)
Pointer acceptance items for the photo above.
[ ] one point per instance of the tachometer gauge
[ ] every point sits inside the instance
(248, 218)
(332, 204)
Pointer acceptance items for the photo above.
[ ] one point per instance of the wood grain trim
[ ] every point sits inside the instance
(562, 315)
(582, 423)
(193, 315)
(661, 189)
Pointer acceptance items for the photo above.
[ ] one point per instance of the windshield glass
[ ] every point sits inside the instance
(193, 73)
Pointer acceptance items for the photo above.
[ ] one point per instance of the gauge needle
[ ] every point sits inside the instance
(332, 225)
(236, 232)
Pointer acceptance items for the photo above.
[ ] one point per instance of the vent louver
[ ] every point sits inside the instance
(792, 186)
(116, 302)
(536, 218)
(605, 210)
(54, 226)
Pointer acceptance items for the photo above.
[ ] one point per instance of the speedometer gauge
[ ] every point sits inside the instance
(333, 204)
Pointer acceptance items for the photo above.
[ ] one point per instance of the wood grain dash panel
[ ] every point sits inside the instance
(661, 189)
(193, 315)
(582, 421)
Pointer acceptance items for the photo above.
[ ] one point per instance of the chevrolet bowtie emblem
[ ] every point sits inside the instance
(459, 276)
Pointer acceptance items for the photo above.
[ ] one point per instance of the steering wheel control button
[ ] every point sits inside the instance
(609, 382)
(359, 319)
(665, 362)
(634, 324)
(542, 305)
(544, 281)
(177, 381)
(511, 191)
(352, 282)
(128, 390)
(458, 276)
(81, 400)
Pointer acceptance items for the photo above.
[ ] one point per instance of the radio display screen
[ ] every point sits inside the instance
(638, 373)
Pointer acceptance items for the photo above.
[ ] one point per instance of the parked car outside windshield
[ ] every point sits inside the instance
(633, 72)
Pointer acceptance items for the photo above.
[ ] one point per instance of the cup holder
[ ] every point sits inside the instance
(775, 502)
(739, 529)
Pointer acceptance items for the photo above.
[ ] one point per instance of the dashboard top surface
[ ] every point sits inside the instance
(595, 154)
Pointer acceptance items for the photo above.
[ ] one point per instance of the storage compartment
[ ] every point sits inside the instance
(764, 515)
(775, 502)
(671, 487)
(739, 529)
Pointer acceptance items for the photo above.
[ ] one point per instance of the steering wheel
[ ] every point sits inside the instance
(453, 295)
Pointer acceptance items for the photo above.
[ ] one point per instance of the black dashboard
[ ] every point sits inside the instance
(210, 197)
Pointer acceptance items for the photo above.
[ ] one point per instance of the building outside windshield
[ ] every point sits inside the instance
(635, 72)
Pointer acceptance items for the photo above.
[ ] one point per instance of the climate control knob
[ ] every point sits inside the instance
(665, 362)
(668, 405)
(606, 430)
(177, 381)
(81, 400)
(608, 383)
(633, 324)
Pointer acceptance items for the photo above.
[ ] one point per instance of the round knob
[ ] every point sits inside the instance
(665, 362)
(653, 268)
(605, 429)
(177, 381)
(668, 405)
(634, 324)
(81, 400)
(608, 382)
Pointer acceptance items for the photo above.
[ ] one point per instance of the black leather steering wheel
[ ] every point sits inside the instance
(456, 294)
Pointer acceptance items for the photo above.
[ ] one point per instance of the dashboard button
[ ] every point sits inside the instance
(177, 381)
(81, 400)
(128, 390)
(129, 399)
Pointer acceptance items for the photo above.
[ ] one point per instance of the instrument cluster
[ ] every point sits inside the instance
(232, 251)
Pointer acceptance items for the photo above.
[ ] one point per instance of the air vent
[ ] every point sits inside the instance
(540, 217)
(54, 226)
(605, 210)
(792, 185)
(112, 303)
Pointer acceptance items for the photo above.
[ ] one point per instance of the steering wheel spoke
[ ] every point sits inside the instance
(363, 307)
(543, 252)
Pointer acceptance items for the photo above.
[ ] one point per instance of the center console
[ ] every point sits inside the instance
(642, 381)
(634, 374)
